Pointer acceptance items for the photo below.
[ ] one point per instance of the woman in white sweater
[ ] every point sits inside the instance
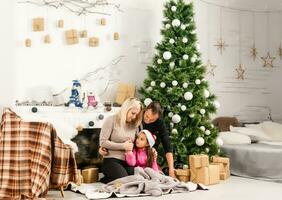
(117, 135)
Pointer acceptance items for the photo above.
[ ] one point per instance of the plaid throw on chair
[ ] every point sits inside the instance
(32, 157)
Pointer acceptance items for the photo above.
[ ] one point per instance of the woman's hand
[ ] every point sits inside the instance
(103, 151)
(128, 145)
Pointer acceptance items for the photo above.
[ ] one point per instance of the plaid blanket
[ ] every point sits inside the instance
(31, 158)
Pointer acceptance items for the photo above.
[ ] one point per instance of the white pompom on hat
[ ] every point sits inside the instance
(150, 137)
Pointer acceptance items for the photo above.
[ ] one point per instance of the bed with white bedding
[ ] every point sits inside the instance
(257, 160)
(261, 156)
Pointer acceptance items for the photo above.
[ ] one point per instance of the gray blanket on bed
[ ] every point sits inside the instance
(259, 161)
(147, 181)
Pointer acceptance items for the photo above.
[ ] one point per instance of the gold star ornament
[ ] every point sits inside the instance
(210, 68)
(240, 72)
(268, 60)
(221, 45)
(254, 52)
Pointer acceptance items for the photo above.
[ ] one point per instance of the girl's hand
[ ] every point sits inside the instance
(103, 151)
(128, 145)
(155, 153)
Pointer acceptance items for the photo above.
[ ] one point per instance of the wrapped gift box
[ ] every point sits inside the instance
(199, 169)
(224, 164)
(197, 161)
(214, 174)
(182, 174)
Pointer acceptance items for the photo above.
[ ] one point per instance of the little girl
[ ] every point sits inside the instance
(142, 154)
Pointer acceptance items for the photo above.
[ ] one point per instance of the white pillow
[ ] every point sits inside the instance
(273, 130)
(255, 134)
(234, 138)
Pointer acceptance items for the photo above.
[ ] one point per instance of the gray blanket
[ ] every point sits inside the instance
(258, 161)
(143, 182)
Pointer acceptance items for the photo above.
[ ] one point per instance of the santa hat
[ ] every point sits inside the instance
(150, 137)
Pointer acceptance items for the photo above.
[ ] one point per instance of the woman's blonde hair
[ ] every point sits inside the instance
(126, 106)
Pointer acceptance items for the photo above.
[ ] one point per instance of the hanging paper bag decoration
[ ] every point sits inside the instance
(93, 42)
(72, 37)
(83, 34)
(47, 39)
(38, 24)
(103, 22)
(28, 42)
(116, 36)
(61, 23)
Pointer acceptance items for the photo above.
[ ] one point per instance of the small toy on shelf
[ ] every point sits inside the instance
(108, 106)
(91, 100)
(75, 95)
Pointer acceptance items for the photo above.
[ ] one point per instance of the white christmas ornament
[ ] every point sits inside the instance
(193, 32)
(207, 150)
(173, 8)
(198, 82)
(193, 59)
(176, 118)
(149, 89)
(179, 104)
(206, 93)
(206, 104)
(185, 85)
(185, 57)
(192, 115)
(167, 55)
(174, 131)
(216, 104)
(183, 27)
(159, 61)
(162, 85)
(154, 66)
(200, 141)
(219, 142)
(212, 126)
(147, 101)
(204, 80)
(170, 114)
(172, 64)
(176, 22)
(207, 132)
(167, 26)
(183, 107)
(202, 128)
(184, 40)
(171, 124)
(188, 96)
(174, 83)
(153, 83)
(198, 47)
(171, 41)
(202, 111)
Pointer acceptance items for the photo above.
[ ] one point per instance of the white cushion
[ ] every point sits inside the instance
(255, 134)
(273, 130)
(234, 138)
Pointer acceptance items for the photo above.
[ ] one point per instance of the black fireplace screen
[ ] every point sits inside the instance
(87, 141)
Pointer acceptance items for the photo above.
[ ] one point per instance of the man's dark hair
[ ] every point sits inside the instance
(155, 107)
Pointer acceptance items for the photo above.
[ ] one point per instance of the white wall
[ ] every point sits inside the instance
(57, 64)
(6, 52)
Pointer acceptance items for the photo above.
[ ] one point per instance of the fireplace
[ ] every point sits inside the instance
(87, 141)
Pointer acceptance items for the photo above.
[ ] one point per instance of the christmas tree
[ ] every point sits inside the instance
(176, 80)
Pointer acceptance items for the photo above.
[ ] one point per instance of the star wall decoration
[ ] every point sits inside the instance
(254, 52)
(280, 51)
(210, 68)
(221, 45)
(268, 60)
(240, 72)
